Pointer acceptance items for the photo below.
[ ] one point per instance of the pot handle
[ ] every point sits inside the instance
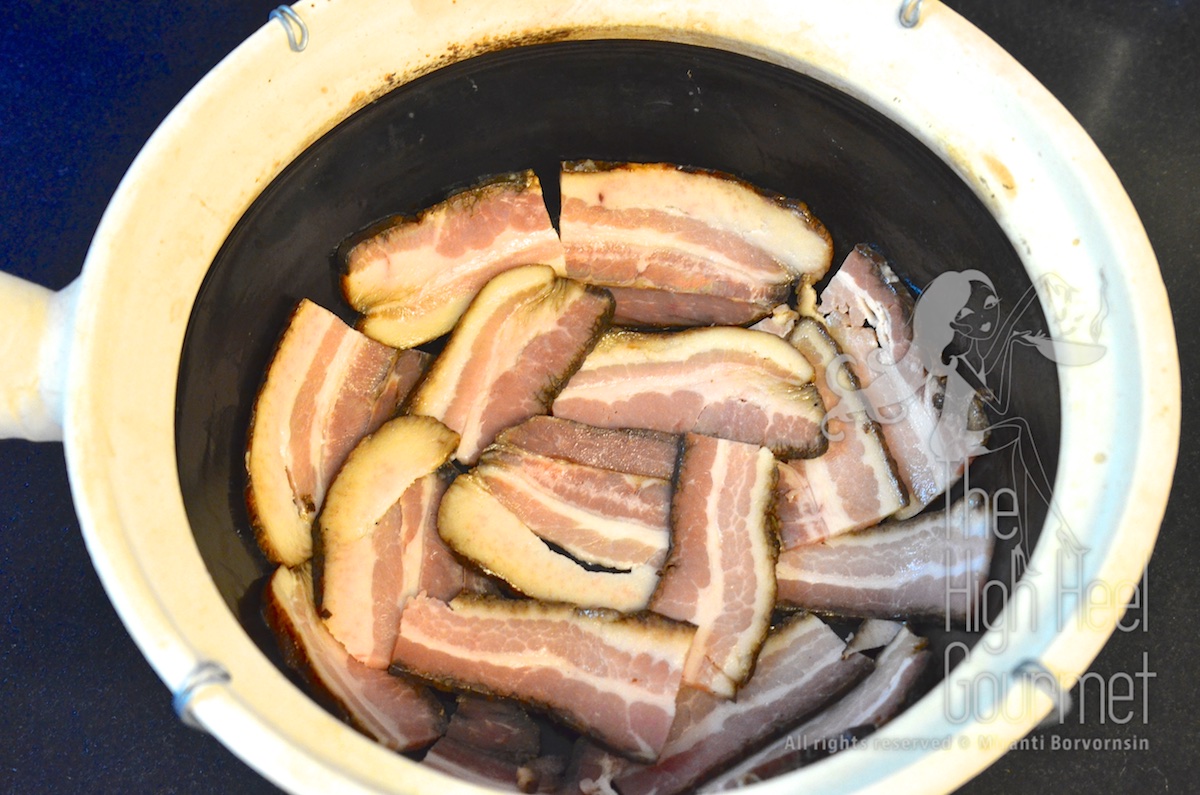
(35, 325)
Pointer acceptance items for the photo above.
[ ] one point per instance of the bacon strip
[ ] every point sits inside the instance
(873, 703)
(494, 726)
(398, 713)
(636, 452)
(612, 676)
(855, 483)
(495, 743)
(541, 774)
(477, 525)
(599, 516)
(683, 247)
(720, 575)
(739, 384)
(326, 388)
(414, 278)
(378, 542)
(892, 378)
(934, 564)
(802, 667)
(521, 338)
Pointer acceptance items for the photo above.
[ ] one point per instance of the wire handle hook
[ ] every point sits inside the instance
(910, 13)
(293, 25)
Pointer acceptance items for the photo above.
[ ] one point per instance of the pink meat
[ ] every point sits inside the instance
(892, 378)
(865, 291)
(495, 726)
(520, 340)
(682, 247)
(465, 762)
(597, 515)
(798, 515)
(413, 279)
(495, 743)
(802, 667)
(327, 387)
(735, 383)
(932, 565)
(872, 703)
(636, 452)
(473, 522)
(720, 575)
(366, 582)
(612, 676)
(395, 711)
(855, 484)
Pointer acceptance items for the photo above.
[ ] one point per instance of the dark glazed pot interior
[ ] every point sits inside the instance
(864, 177)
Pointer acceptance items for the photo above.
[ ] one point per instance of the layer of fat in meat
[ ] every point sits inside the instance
(782, 228)
(413, 280)
(507, 315)
(281, 512)
(511, 551)
(924, 566)
(397, 712)
(873, 701)
(511, 639)
(801, 667)
(621, 348)
(379, 470)
(362, 526)
(726, 477)
(734, 382)
(634, 451)
(606, 540)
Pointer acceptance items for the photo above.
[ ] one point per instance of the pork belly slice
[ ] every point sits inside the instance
(494, 742)
(413, 278)
(326, 387)
(394, 710)
(477, 525)
(872, 703)
(931, 565)
(870, 314)
(744, 385)
(636, 451)
(855, 484)
(801, 668)
(377, 535)
(866, 292)
(599, 516)
(494, 726)
(610, 675)
(540, 774)
(519, 341)
(684, 247)
(720, 574)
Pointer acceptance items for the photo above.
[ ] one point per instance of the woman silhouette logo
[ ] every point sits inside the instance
(960, 358)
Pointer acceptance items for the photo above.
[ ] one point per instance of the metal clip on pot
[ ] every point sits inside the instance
(910, 13)
(292, 23)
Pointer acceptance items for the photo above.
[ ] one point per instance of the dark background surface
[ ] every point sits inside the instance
(82, 86)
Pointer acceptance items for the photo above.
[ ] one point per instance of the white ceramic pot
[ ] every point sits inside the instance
(118, 331)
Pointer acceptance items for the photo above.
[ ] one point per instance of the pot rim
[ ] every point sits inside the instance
(1033, 166)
